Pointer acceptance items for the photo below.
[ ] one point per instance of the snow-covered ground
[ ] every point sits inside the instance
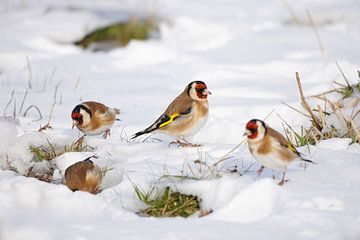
(246, 51)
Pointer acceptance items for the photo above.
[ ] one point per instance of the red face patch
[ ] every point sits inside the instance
(200, 87)
(253, 135)
(75, 116)
(252, 127)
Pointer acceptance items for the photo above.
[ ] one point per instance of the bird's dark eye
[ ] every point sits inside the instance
(200, 89)
(252, 130)
(79, 120)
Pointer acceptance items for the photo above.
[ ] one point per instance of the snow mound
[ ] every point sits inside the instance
(335, 143)
(255, 202)
(237, 199)
(19, 191)
(14, 153)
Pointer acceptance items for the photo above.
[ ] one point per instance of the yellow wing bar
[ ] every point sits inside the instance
(170, 120)
(291, 147)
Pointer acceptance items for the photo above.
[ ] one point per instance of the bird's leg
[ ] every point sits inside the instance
(189, 144)
(80, 141)
(175, 142)
(185, 143)
(106, 133)
(273, 174)
(261, 169)
(283, 179)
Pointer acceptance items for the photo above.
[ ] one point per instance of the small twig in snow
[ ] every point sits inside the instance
(292, 13)
(23, 101)
(316, 32)
(52, 74)
(8, 104)
(342, 73)
(54, 103)
(44, 85)
(30, 78)
(14, 111)
(43, 128)
(77, 84)
(296, 110)
(37, 109)
(305, 104)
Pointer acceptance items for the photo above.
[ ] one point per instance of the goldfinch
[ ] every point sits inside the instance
(270, 148)
(94, 118)
(83, 176)
(185, 115)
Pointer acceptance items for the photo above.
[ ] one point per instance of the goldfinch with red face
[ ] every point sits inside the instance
(270, 148)
(185, 115)
(83, 176)
(94, 118)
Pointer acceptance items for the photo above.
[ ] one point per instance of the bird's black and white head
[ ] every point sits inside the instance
(81, 115)
(255, 130)
(198, 91)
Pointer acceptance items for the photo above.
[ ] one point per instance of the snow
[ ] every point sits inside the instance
(246, 51)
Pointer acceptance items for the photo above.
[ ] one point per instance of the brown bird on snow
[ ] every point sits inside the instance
(94, 118)
(185, 115)
(83, 176)
(270, 148)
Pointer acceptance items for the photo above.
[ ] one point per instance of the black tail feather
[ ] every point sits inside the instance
(156, 125)
(300, 155)
(307, 160)
(148, 130)
(139, 134)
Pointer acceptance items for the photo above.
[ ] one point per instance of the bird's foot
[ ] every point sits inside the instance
(106, 133)
(96, 191)
(283, 181)
(184, 144)
(261, 169)
(204, 213)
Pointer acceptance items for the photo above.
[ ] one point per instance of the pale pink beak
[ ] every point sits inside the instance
(206, 91)
(74, 123)
(247, 133)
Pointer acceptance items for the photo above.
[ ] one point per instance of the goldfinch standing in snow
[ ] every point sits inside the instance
(185, 115)
(270, 148)
(93, 118)
(83, 176)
